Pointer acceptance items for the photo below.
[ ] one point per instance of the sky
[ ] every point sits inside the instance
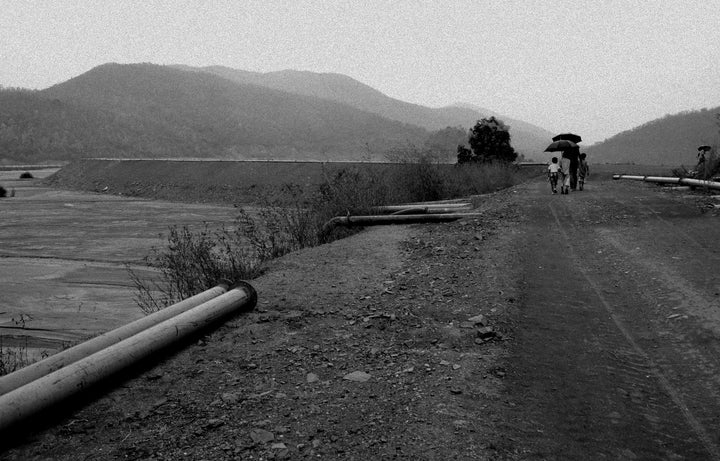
(594, 67)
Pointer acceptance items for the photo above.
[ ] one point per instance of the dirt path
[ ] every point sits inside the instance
(616, 348)
(600, 341)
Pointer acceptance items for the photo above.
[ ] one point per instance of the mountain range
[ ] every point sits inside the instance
(146, 110)
(671, 140)
(526, 138)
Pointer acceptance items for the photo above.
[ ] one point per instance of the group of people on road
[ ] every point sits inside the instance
(570, 171)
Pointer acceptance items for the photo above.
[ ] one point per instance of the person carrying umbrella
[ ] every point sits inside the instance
(569, 160)
(573, 153)
(701, 167)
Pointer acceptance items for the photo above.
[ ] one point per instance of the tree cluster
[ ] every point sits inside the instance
(489, 141)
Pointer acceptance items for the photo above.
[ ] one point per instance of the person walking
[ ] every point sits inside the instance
(564, 173)
(574, 155)
(583, 170)
(553, 169)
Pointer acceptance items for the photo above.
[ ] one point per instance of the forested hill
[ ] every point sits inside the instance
(146, 110)
(526, 138)
(672, 140)
(34, 129)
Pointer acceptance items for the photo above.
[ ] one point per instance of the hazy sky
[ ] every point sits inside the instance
(593, 67)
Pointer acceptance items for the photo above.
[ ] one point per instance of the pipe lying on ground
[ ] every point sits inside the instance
(671, 180)
(418, 209)
(395, 219)
(19, 404)
(428, 210)
(61, 359)
(448, 202)
(458, 205)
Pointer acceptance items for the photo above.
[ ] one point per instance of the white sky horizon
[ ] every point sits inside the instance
(588, 67)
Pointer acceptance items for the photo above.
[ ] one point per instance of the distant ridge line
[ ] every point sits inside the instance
(160, 159)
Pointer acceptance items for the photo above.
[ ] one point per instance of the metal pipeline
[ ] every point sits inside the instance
(629, 176)
(672, 180)
(429, 208)
(55, 362)
(448, 202)
(21, 403)
(395, 219)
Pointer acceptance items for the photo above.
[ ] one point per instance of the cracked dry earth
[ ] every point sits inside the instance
(570, 327)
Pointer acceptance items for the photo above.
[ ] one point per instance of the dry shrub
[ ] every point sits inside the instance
(12, 358)
(351, 191)
(194, 261)
(481, 178)
(419, 177)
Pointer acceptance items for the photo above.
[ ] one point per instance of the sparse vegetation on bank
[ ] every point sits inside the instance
(192, 261)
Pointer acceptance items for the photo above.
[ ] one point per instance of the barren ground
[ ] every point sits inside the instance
(603, 310)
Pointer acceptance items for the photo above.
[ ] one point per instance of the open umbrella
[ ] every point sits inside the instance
(704, 148)
(560, 145)
(568, 137)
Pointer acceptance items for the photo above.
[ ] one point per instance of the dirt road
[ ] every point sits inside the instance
(616, 353)
(600, 340)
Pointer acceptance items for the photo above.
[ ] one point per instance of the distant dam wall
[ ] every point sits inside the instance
(203, 181)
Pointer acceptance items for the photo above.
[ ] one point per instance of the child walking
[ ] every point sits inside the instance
(553, 169)
(583, 170)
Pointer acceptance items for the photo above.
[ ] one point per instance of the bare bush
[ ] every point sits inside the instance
(481, 178)
(192, 262)
(12, 358)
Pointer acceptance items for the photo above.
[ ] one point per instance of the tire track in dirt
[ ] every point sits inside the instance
(652, 368)
(581, 383)
(687, 233)
(681, 301)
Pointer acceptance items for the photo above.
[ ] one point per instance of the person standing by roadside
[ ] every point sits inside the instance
(583, 170)
(701, 167)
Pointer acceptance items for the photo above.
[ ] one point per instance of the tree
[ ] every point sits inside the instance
(490, 141)
(464, 155)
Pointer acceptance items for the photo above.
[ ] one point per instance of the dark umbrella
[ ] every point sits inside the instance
(704, 148)
(561, 145)
(568, 137)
